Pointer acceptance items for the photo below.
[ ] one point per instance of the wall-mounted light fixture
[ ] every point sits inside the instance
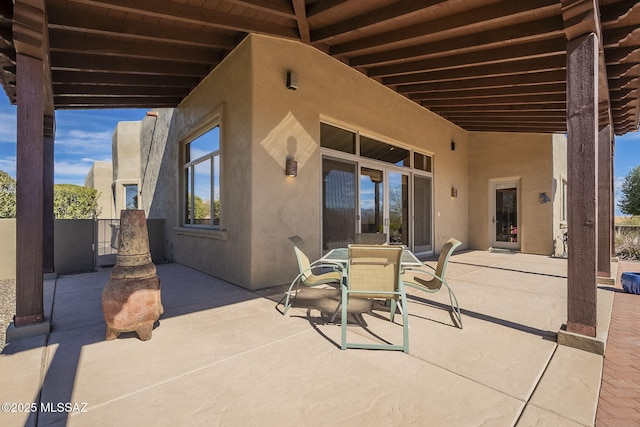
(543, 198)
(454, 192)
(453, 145)
(292, 80)
(291, 167)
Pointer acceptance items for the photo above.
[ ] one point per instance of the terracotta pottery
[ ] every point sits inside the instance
(131, 297)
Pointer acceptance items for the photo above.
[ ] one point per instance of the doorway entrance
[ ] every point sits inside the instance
(505, 214)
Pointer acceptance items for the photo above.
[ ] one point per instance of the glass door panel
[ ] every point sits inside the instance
(338, 203)
(398, 216)
(422, 214)
(505, 215)
(371, 200)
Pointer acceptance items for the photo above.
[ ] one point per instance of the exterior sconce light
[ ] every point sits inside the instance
(292, 80)
(453, 145)
(291, 167)
(454, 192)
(543, 198)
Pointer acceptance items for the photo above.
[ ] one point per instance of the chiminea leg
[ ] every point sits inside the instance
(112, 334)
(144, 331)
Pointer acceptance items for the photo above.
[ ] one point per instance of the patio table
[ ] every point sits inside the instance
(341, 255)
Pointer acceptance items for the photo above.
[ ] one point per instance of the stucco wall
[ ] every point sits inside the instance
(288, 122)
(8, 248)
(100, 177)
(227, 91)
(126, 161)
(559, 173)
(527, 156)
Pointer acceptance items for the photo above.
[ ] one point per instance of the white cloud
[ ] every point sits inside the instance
(8, 164)
(8, 128)
(67, 172)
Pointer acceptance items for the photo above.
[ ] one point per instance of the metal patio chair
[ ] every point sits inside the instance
(436, 280)
(307, 275)
(373, 271)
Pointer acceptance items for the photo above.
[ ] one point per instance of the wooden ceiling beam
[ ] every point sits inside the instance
(194, 15)
(92, 63)
(507, 53)
(70, 90)
(515, 80)
(553, 63)
(514, 34)
(64, 41)
(274, 7)
(463, 115)
(84, 24)
(518, 91)
(320, 6)
(301, 19)
(85, 102)
(106, 78)
(496, 100)
(613, 13)
(541, 106)
(477, 18)
(372, 18)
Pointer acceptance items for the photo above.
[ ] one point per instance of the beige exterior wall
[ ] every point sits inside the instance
(262, 122)
(527, 158)
(559, 175)
(100, 177)
(8, 248)
(126, 162)
(225, 93)
(288, 122)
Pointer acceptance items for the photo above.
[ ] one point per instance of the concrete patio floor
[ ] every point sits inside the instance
(223, 355)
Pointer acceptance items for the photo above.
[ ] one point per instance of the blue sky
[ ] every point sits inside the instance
(83, 136)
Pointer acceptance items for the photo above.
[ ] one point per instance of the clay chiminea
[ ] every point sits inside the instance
(131, 297)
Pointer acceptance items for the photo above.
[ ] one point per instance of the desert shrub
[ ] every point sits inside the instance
(628, 245)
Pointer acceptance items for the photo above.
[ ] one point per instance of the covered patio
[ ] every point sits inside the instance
(544, 66)
(223, 355)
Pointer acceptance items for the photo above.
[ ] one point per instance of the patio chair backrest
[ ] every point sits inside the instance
(374, 268)
(303, 260)
(445, 253)
(371, 238)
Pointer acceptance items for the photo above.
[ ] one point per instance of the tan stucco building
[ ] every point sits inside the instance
(368, 160)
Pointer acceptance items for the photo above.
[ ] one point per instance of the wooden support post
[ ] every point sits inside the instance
(47, 225)
(582, 160)
(29, 192)
(605, 200)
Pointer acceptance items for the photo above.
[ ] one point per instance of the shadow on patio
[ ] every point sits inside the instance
(223, 355)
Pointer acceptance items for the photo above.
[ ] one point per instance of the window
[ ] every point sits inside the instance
(337, 139)
(131, 196)
(422, 162)
(379, 150)
(202, 180)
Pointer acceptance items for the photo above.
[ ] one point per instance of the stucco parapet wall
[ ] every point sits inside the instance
(202, 233)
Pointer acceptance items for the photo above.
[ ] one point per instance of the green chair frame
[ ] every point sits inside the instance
(374, 271)
(307, 275)
(434, 284)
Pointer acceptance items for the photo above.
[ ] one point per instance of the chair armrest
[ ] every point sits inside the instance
(326, 264)
(420, 283)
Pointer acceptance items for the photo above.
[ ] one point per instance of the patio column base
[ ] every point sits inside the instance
(595, 344)
(15, 333)
(608, 279)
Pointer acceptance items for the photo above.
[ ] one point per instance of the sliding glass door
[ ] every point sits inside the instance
(338, 203)
(422, 196)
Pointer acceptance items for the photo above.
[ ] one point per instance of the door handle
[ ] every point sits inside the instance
(493, 219)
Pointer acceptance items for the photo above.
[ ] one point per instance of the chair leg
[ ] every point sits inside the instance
(405, 322)
(454, 305)
(286, 303)
(392, 309)
(344, 318)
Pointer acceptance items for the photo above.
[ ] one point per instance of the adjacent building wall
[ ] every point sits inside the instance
(100, 177)
(126, 161)
(559, 174)
(526, 156)
(8, 248)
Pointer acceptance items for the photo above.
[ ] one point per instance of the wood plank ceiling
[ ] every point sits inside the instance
(486, 65)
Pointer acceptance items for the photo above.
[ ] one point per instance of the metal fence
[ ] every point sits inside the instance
(106, 241)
